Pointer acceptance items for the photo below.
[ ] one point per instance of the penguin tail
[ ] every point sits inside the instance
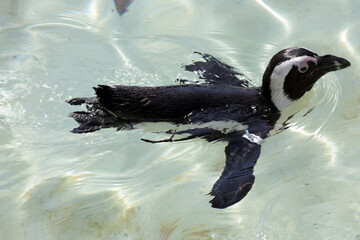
(95, 118)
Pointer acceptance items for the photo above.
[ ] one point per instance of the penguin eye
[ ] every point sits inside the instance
(303, 69)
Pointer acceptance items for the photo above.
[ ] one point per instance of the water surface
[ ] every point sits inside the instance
(111, 185)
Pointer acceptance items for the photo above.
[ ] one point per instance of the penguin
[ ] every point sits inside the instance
(224, 107)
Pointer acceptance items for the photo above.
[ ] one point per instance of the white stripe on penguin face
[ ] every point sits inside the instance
(277, 79)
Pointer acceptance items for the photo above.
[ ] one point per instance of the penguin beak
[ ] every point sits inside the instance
(329, 63)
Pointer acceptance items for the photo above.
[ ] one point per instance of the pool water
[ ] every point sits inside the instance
(111, 185)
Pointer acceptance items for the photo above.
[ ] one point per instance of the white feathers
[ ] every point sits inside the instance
(224, 127)
(277, 79)
(252, 137)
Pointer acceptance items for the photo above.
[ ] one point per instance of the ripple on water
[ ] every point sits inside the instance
(110, 184)
(321, 104)
(63, 206)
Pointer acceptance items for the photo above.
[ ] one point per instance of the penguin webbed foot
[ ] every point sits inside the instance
(95, 118)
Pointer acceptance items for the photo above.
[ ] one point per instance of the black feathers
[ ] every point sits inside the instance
(222, 98)
(237, 178)
(249, 113)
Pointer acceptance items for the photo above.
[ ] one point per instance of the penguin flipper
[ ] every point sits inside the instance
(215, 72)
(237, 177)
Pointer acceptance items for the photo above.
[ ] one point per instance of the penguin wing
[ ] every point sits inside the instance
(215, 72)
(237, 177)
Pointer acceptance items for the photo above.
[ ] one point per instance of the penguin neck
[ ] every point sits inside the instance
(273, 90)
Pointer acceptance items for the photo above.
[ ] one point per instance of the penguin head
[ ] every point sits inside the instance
(294, 71)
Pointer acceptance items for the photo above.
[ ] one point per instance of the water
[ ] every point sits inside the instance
(111, 185)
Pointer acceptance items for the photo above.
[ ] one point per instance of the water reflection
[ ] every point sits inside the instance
(275, 14)
(112, 185)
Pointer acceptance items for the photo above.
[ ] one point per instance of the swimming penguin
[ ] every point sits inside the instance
(225, 97)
